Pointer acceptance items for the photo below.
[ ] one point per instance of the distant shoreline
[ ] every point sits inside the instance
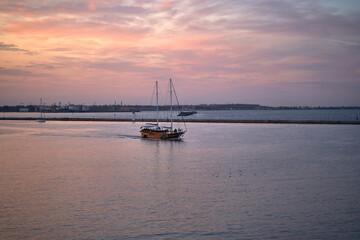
(71, 108)
(191, 120)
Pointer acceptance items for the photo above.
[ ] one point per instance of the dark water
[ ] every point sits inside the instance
(292, 115)
(83, 180)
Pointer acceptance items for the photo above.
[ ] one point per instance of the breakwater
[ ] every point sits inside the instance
(190, 120)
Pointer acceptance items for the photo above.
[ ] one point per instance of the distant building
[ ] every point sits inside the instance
(75, 108)
(42, 108)
(79, 108)
(24, 109)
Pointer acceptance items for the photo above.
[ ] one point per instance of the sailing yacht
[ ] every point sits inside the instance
(154, 130)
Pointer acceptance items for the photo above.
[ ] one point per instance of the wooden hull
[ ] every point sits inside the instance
(161, 134)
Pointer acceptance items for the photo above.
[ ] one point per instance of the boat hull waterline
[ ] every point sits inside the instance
(147, 133)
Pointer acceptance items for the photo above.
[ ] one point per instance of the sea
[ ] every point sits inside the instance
(101, 180)
(291, 115)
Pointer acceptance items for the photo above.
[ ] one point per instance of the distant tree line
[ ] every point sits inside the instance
(138, 108)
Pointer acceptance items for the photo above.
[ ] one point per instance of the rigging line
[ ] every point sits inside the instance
(177, 100)
(152, 97)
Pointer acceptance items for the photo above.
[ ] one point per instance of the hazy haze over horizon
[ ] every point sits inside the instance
(267, 52)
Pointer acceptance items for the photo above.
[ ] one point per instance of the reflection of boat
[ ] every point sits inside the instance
(154, 130)
(41, 119)
(188, 113)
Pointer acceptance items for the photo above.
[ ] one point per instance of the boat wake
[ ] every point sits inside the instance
(85, 135)
(129, 136)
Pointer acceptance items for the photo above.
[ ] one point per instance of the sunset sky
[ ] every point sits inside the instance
(268, 52)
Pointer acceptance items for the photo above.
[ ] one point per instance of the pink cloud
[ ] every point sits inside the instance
(166, 4)
(92, 5)
(214, 50)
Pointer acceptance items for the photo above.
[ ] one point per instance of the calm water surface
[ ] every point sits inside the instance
(292, 115)
(84, 180)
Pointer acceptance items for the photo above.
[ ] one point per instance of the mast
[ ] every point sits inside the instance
(157, 104)
(171, 105)
(41, 108)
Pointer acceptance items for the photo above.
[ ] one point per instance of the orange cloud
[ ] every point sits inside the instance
(72, 27)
